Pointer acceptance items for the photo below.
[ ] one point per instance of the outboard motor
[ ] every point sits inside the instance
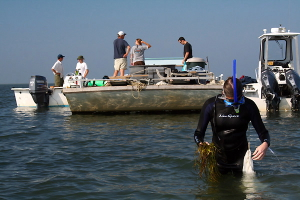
(270, 90)
(293, 82)
(38, 88)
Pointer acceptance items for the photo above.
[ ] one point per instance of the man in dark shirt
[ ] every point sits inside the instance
(121, 50)
(187, 49)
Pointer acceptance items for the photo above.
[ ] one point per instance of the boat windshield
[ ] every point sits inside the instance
(277, 50)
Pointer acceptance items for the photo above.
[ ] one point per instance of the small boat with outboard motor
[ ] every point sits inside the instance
(38, 94)
(277, 84)
(156, 86)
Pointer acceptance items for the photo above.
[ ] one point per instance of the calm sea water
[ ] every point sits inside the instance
(52, 154)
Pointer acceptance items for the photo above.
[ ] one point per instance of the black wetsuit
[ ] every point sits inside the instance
(229, 130)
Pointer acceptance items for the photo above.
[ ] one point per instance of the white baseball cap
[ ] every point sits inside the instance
(121, 33)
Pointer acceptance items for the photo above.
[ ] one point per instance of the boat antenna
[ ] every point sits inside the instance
(207, 63)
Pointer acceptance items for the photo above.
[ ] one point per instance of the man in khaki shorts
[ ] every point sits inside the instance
(121, 50)
(58, 71)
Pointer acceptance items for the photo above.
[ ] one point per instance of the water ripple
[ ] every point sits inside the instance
(52, 154)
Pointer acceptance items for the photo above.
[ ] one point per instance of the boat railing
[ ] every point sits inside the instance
(169, 77)
(211, 77)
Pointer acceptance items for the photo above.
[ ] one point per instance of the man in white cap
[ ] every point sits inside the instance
(121, 50)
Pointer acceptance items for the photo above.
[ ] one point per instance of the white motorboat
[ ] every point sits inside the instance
(38, 93)
(277, 75)
(25, 99)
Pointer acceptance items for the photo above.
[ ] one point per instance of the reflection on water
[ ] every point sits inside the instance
(64, 111)
(250, 185)
(280, 115)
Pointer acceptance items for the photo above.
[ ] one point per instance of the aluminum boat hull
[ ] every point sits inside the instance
(128, 98)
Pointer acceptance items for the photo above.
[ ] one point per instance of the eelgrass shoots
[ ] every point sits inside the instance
(206, 163)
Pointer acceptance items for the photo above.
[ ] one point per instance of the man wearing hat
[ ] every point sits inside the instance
(58, 71)
(121, 50)
(81, 67)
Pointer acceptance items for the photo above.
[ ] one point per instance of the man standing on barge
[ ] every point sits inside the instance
(121, 51)
(187, 49)
(137, 52)
(58, 71)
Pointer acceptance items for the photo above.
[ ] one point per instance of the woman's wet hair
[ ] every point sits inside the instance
(228, 88)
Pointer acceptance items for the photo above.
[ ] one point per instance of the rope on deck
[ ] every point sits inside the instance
(137, 86)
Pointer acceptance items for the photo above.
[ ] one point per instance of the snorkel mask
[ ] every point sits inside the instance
(234, 104)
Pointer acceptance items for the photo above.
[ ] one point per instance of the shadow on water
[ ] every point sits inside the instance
(135, 118)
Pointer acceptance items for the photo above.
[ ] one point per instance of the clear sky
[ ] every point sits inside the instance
(34, 32)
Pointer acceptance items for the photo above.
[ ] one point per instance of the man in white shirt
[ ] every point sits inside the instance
(58, 71)
(81, 67)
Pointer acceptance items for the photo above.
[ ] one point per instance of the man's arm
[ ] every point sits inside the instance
(86, 73)
(131, 56)
(54, 70)
(127, 52)
(185, 57)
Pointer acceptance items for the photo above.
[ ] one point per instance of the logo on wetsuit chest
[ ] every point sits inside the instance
(229, 116)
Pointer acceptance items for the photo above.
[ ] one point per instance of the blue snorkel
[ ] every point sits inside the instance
(236, 103)
(234, 82)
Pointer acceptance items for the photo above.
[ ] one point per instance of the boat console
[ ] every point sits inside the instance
(278, 69)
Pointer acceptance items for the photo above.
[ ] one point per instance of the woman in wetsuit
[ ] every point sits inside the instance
(229, 123)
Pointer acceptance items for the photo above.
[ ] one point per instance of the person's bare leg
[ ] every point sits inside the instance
(122, 72)
(116, 73)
